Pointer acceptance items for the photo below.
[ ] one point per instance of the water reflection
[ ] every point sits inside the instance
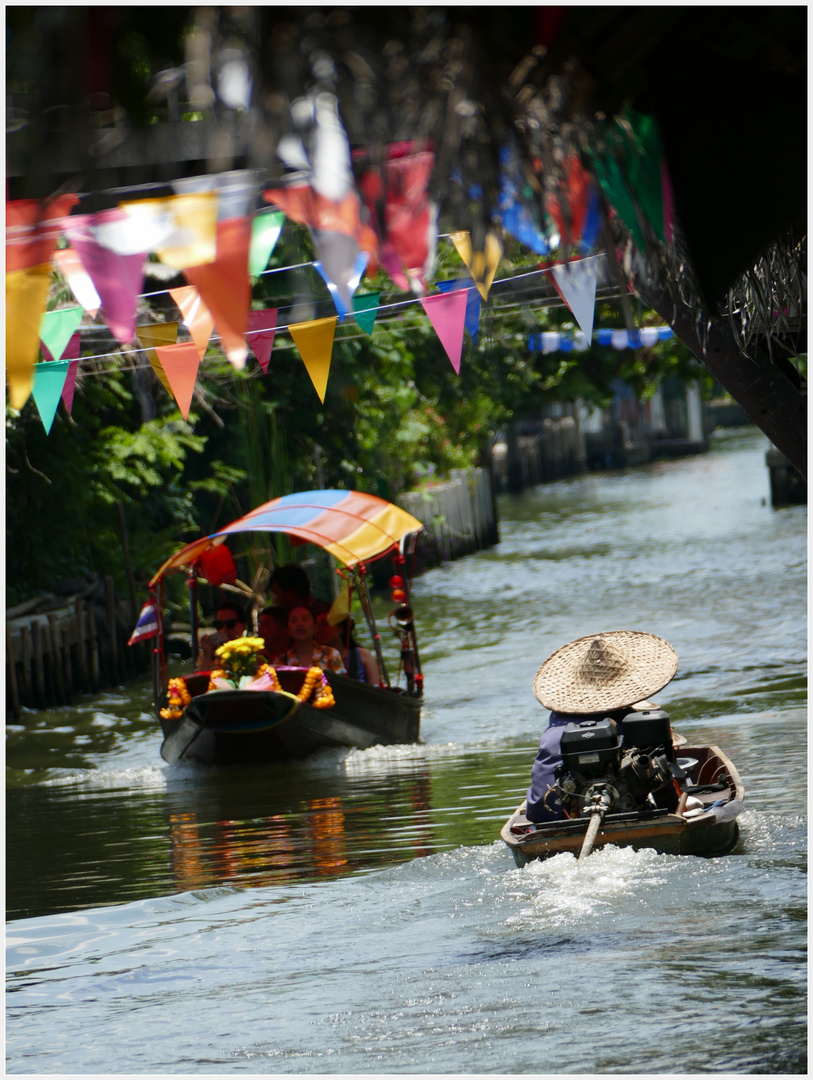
(324, 836)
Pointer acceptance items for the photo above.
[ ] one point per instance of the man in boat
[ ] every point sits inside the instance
(601, 675)
(292, 588)
(229, 623)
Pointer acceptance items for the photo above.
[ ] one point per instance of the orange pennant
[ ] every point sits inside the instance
(226, 288)
(180, 364)
(196, 316)
(26, 295)
(158, 334)
(315, 343)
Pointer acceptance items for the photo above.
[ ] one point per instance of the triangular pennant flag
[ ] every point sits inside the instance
(226, 288)
(473, 302)
(315, 343)
(235, 191)
(196, 316)
(262, 326)
(482, 265)
(79, 282)
(158, 334)
(341, 267)
(576, 281)
(57, 328)
(33, 227)
(70, 352)
(265, 230)
(49, 380)
(447, 313)
(181, 230)
(365, 309)
(117, 278)
(26, 294)
(70, 382)
(180, 364)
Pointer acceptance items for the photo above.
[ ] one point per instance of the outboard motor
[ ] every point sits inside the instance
(600, 770)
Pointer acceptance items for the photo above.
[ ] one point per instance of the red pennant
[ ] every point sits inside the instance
(33, 227)
(262, 326)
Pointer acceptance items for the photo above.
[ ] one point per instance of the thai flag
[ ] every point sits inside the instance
(147, 625)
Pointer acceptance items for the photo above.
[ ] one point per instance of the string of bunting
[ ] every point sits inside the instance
(208, 231)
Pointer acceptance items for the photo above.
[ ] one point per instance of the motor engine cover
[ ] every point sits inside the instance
(648, 731)
(590, 747)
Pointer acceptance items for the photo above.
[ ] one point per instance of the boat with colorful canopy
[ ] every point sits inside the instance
(287, 713)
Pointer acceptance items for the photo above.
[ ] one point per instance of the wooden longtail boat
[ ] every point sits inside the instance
(286, 722)
(703, 823)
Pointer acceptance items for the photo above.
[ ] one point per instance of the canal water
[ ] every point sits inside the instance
(358, 913)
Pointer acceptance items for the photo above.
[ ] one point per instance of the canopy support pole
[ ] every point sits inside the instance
(192, 585)
(360, 572)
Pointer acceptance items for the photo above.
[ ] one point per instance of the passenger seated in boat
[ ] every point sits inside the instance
(291, 587)
(358, 661)
(305, 652)
(600, 675)
(229, 623)
(272, 627)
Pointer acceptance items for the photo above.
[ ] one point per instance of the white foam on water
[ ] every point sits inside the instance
(144, 778)
(564, 889)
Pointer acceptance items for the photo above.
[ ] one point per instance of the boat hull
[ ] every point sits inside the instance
(714, 832)
(246, 726)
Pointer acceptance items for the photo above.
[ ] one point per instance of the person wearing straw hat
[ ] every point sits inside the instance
(602, 675)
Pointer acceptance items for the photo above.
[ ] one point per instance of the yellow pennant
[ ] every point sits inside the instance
(482, 265)
(153, 335)
(26, 295)
(315, 343)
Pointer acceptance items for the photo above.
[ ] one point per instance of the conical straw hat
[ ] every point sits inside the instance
(605, 671)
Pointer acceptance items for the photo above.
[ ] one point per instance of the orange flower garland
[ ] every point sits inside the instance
(179, 698)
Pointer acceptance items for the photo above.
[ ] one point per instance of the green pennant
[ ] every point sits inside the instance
(365, 309)
(49, 379)
(57, 327)
(265, 230)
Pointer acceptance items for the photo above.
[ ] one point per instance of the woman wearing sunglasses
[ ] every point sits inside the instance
(229, 623)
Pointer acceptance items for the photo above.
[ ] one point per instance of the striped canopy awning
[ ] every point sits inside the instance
(352, 526)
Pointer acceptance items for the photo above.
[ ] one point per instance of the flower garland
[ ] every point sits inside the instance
(240, 668)
(179, 698)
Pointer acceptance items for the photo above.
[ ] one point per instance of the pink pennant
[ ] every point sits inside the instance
(71, 349)
(447, 313)
(262, 326)
(70, 384)
(117, 278)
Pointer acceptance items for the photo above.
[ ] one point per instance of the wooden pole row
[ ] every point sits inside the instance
(80, 648)
(459, 515)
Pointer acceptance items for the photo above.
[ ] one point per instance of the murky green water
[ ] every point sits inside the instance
(358, 912)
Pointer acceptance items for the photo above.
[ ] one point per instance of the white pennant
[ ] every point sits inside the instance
(577, 283)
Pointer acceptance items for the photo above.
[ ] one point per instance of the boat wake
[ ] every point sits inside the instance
(565, 889)
(145, 777)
